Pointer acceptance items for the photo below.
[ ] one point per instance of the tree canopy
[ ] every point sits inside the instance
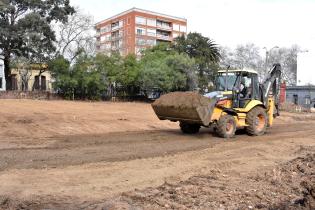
(26, 30)
(253, 57)
(167, 70)
(92, 77)
(205, 52)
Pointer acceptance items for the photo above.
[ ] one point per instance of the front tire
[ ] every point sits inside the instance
(226, 126)
(189, 128)
(256, 120)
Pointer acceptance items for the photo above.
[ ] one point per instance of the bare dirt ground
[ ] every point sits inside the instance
(81, 155)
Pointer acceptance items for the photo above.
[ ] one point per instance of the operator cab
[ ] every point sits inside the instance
(241, 85)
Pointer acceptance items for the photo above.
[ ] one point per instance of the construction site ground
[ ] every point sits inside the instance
(102, 155)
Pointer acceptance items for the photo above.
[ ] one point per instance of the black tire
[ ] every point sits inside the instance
(189, 128)
(226, 126)
(256, 120)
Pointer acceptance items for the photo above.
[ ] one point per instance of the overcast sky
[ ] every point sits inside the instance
(229, 22)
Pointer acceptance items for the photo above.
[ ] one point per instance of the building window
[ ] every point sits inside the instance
(183, 29)
(151, 42)
(307, 100)
(105, 29)
(151, 22)
(121, 43)
(140, 42)
(175, 27)
(151, 32)
(295, 99)
(107, 37)
(36, 83)
(140, 31)
(116, 25)
(141, 20)
(121, 23)
(128, 21)
(0, 82)
(14, 85)
(43, 85)
(163, 24)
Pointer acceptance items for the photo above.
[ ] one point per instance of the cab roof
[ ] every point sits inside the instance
(240, 70)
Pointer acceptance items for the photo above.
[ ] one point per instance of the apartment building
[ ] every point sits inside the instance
(136, 29)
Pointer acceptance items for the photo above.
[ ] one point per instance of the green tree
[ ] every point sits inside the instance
(205, 52)
(26, 30)
(91, 83)
(110, 66)
(83, 80)
(128, 75)
(65, 82)
(165, 69)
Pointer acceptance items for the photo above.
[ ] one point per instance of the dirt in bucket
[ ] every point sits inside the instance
(182, 99)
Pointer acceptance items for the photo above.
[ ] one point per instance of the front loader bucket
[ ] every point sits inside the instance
(190, 107)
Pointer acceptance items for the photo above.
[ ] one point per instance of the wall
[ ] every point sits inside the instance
(2, 77)
(305, 95)
(28, 95)
(32, 74)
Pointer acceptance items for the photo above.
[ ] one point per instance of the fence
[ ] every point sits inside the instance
(44, 95)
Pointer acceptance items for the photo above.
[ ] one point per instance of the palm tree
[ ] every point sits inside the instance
(205, 52)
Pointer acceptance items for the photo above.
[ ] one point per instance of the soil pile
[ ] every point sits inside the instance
(184, 106)
(182, 100)
(289, 186)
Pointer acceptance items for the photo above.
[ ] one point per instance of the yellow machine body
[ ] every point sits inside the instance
(242, 112)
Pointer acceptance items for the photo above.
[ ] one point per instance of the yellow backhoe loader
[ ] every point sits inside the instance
(239, 101)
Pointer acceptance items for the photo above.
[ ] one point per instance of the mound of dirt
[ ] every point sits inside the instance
(184, 106)
(182, 100)
(289, 186)
(299, 176)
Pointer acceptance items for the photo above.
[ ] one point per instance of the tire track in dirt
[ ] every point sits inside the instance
(93, 181)
(112, 147)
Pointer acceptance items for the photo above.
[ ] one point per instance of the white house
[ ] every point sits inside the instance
(2, 76)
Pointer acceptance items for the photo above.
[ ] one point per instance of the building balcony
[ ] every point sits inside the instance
(115, 28)
(164, 37)
(151, 34)
(114, 47)
(114, 38)
(164, 27)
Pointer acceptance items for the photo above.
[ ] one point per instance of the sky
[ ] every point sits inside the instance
(267, 23)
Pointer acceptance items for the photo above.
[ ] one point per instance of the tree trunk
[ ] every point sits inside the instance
(7, 71)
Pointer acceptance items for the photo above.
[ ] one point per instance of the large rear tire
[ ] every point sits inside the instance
(226, 126)
(256, 120)
(189, 128)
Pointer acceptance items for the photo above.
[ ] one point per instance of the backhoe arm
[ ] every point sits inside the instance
(271, 85)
